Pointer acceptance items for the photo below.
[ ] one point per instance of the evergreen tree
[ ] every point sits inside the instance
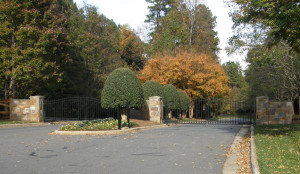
(234, 72)
(188, 25)
(33, 46)
(158, 9)
(273, 72)
(95, 40)
(171, 35)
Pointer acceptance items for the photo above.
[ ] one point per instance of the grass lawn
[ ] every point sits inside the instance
(278, 148)
(13, 122)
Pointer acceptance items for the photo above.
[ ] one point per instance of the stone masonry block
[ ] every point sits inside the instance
(154, 108)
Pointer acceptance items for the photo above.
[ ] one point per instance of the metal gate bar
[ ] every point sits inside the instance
(76, 108)
(213, 111)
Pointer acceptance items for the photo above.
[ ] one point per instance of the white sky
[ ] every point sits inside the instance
(133, 13)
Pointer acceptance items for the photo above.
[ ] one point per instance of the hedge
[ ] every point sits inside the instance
(184, 101)
(121, 86)
(152, 88)
(170, 97)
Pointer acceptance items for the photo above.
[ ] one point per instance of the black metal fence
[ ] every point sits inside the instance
(77, 108)
(213, 111)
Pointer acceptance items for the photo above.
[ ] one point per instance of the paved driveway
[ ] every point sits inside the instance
(180, 149)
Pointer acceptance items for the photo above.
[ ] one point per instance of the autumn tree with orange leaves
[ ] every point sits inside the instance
(131, 49)
(198, 75)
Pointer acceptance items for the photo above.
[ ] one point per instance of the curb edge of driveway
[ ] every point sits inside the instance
(254, 162)
(110, 132)
(23, 125)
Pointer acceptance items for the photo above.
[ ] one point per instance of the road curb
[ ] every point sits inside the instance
(23, 125)
(34, 124)
(110, 132)
(254, 162)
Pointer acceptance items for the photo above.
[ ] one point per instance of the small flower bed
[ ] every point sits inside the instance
(96, 125)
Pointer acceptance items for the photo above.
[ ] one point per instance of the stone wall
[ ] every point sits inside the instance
(141, 113)
(28, 109)
(269, 112)
(152, 110)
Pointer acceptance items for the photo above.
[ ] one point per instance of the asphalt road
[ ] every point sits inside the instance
(185, 149)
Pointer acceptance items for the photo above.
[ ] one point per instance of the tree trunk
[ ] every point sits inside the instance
(6, 91)
(9, 87)
(183, 115)
(12, 85)
(170, 114)
(191, 109)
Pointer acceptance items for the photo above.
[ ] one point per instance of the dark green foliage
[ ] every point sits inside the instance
(95, 40)
(183, 25)
(203, 38)
(171, 98)
(234, 72)
(273, 72)
(121, 86)
(281, 18)
(158, 9)
(184, 101)
(152, 88)
(54, 49)
(171, 35)
(33, 46)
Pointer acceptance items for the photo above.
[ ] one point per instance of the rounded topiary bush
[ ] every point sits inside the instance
(152, 88)
(170, 97)
(121, 86)
(184, 101)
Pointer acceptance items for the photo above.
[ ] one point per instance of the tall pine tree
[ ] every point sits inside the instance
(158, 9)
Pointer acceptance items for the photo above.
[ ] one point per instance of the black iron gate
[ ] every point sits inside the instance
(76, 108)
(212, 111)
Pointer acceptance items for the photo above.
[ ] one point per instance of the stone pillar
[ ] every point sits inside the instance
(262, 115)
(271, 112)
(36, 108)
(155, 105)
(124, 115)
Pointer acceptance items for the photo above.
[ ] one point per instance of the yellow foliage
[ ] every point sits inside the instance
(197, 75)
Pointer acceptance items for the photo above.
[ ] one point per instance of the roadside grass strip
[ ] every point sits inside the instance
(278, 148)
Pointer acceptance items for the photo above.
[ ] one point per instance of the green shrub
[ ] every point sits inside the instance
(121, 86)
(184, 101)
(152, 88)
(97, 125)
(171, 98)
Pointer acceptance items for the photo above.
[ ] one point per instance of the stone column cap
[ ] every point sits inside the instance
(262, 97)
(155, 98)
(39, 96)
